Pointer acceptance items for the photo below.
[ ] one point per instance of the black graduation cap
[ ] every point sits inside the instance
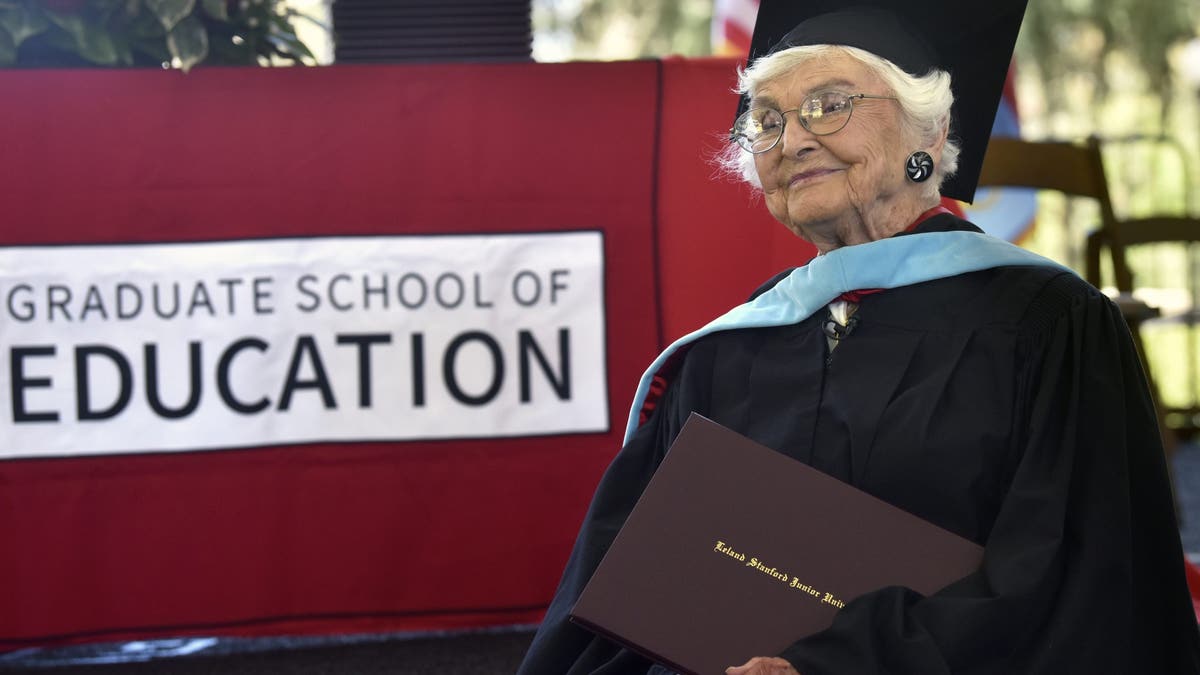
(973, 41)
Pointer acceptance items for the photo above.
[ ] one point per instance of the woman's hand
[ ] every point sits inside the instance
(763, 665)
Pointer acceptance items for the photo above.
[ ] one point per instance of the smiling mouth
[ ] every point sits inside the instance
(808, 176)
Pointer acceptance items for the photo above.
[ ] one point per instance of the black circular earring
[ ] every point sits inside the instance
(919, 167)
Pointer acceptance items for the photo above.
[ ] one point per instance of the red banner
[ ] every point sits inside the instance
(372, 535)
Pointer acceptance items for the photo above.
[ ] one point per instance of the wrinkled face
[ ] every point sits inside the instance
(816, 185)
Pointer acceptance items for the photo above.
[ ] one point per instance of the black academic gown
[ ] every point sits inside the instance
(1006, 405)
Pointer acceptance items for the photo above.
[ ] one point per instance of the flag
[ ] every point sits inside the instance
(732, 26)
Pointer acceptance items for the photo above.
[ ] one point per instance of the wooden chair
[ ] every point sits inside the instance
(1069, 168)
(1171, 224)
(1077, 170)
(1120, 240)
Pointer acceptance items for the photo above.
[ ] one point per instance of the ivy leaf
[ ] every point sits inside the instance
(293, 14)
(171, 12)
(8, 49)
(146, 27)
(282, 35)
(188, 42)
(98, 46)
(216, 9)
(22, 22)
(90, 41)
(291, 47)
(153, 48)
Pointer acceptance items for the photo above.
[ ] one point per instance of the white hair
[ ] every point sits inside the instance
(925, 101)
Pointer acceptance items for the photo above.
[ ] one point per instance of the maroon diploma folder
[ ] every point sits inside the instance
(735, 550)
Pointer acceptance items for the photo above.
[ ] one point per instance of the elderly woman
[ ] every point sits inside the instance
(979, 387)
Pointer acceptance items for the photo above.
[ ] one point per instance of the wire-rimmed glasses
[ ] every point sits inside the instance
(824, 112)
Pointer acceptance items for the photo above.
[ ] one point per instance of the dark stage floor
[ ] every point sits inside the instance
(468, 653)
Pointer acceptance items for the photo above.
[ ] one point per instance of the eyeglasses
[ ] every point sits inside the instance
(825, 112)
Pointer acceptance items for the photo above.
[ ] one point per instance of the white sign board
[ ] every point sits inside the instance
(156, 347)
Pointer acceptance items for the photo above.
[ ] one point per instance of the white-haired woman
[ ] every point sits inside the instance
(829, 84)
(979, 387)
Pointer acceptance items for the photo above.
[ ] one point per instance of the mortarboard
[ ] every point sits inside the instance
(971, 41)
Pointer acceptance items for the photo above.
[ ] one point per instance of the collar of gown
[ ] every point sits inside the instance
(882, 264)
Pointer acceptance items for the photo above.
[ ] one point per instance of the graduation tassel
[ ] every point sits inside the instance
(840, 323)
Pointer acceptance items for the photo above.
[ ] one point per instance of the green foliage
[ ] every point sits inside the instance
(1066, 38)
(165, 33)
(623, 29)
(1062, 39)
